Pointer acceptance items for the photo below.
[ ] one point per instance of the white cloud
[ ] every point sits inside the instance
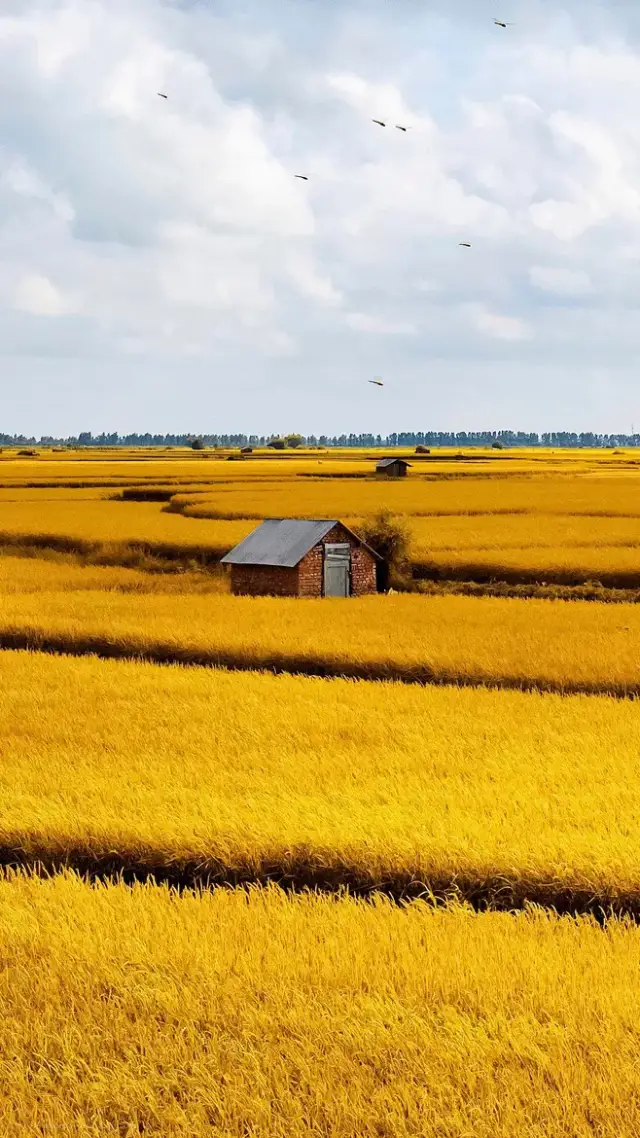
(562, 282)
(499, 327)
(37, 295)
(379, 325)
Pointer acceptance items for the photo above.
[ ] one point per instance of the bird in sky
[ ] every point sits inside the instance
(162, 96)
(303, 176)
(398, 127)
(502, 23)
(379, 122)
(376, 382)
(465, 244)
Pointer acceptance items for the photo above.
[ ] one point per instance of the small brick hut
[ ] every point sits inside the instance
(392, 467)
(293, 557)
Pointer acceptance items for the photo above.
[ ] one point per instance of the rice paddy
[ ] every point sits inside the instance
(262, 1008)
(551, 645)
(255, 776)
(133, 1011)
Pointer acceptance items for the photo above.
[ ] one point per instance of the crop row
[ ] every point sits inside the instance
(549, 645)
(192, 774)
(131, 1011)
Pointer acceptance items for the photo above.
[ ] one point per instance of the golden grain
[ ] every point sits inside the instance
(548, 644)
(130, 1011)
(359, 782)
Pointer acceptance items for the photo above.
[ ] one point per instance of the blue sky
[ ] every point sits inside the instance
(162, 269)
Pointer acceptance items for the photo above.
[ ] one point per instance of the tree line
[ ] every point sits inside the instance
(395, 439)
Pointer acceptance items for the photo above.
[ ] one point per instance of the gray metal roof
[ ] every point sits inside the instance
(279, 541)
(390, 461)
(284, 542)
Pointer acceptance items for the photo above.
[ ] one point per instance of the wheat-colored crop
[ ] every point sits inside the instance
(556, 645)
(126, 764)
(418, 496)
(58, 573)
(129, 1012)
(115, 530)
(616, 566)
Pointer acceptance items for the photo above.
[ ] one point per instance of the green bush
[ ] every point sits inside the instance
(390, 537)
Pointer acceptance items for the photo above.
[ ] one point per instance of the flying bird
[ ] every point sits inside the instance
(502, 23)
(376, 382)
(379, 122)
(162, 96)
(465, 244)
(303, 176)
(405, 128)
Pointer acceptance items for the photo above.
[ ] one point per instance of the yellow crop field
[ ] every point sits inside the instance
(23, 576)
(503, 532)
(557, 645)
(130, 1011)
(420, 496)
(107, 526)
(463, 544)
(198, 771)
(613, 566)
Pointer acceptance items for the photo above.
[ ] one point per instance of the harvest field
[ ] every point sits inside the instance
(535, 644)
(387, 766)
(274, 1015)
(563, 519)
(319, 780)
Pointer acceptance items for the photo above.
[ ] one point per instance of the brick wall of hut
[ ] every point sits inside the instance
(264, 580)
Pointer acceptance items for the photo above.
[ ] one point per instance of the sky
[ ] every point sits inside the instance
(162, 269)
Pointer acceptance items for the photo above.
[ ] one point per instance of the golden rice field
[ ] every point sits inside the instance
(527, 538)
(273, 1014)
(56, 573)
(503, 794)
(135, 1012)
(557, 645)
(613, 566)
(419, 497)
(116, 530)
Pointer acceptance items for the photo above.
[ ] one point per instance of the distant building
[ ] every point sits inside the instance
(392, 467)
(294, 557)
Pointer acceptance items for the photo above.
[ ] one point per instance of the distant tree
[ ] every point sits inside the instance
(277, 444)
(497, 446)
(197, 444)
(294, 440)
(420, 449)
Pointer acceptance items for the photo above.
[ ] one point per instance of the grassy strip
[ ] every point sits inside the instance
(133, 1012)
(548, 645)
(198, 776)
